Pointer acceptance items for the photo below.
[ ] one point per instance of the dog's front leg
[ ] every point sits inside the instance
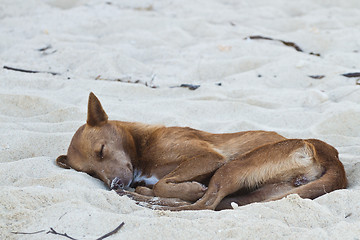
(184, 181)
(151, 201)
(188, 191)
(144, 191)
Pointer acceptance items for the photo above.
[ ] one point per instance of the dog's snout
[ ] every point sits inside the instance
(117, 183)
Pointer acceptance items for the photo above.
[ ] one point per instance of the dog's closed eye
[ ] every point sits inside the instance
(101, 152)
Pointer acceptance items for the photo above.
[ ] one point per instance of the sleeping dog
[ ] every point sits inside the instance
(180, 168)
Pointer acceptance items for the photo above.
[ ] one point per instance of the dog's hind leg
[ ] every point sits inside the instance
(280, 162)
(261, 194)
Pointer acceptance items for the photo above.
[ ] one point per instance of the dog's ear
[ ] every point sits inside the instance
(62, 161)
(96, 114)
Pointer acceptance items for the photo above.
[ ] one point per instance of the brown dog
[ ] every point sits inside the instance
(182, 168)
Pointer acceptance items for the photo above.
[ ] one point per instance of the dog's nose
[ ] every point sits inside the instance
(116, 183)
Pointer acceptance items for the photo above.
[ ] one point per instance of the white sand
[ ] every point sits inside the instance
(173, 42)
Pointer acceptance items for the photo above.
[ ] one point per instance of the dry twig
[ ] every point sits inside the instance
(28, 71)
(52, 231)
(28, 233)
(112, 232)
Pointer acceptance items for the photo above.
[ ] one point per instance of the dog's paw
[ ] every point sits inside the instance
(202, 187)
(122, 192)
(192, 191)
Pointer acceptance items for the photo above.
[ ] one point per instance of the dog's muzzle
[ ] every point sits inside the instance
(117, 183)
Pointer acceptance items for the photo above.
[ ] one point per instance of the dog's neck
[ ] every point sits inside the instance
(140, 178)
(140, 133)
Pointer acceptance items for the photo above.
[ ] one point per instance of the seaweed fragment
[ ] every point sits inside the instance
(45, 51)
(44, 48)
(317, 76)
(149, 84)
(190, 86)
(351, 75)
(286, 43)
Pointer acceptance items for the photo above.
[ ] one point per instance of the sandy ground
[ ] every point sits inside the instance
(244, 85)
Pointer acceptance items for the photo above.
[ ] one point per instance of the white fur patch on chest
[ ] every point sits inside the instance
(148, 180)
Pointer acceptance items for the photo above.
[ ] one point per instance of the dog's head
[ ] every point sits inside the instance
(101, 148)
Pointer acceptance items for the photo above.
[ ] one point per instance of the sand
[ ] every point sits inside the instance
(244, 85)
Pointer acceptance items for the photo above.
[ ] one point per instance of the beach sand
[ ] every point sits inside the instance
(245, 84)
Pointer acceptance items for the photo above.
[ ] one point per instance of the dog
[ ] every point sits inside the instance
(180, 168)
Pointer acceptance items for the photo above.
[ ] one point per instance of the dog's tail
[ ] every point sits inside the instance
(333, 178)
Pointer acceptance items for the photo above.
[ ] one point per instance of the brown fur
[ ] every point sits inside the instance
(180, 168)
